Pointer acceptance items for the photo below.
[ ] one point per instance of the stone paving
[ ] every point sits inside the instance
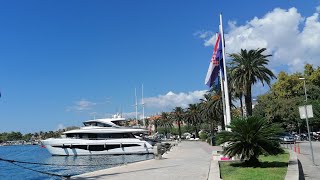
(190, 160)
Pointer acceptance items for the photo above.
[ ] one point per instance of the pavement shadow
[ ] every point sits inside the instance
(301, 173)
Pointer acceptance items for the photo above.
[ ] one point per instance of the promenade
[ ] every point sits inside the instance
(189, 160)
(309, 170)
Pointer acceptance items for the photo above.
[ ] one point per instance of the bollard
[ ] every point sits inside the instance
(157, 151)
(295, 148)
(290, 146)
(298, 148)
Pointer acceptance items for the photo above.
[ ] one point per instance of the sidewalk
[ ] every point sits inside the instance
(189, 160)
(310, 171)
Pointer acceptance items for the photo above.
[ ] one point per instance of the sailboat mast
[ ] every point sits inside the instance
(135, 94)
(142, 102)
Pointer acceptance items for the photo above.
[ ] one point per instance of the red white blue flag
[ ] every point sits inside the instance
(215, 63)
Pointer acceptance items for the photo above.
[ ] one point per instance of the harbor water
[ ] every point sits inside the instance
(59, 165)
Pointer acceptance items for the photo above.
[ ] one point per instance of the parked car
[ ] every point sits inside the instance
(185, 136)
(287, 138)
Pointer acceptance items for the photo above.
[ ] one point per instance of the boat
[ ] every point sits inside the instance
(99, 137)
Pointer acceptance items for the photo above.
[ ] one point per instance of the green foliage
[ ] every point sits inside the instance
(249, 138)
(203, 136)
(247, 68)
(165, 122)
(15, 136)
(281, 103)
(178, 115)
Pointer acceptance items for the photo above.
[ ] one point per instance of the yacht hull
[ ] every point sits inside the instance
(80, 147)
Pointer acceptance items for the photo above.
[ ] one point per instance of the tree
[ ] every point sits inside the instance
(193, 117)
(249, 67)
(281, 103)
(165, 122)
(178, 116)
(249, 138)
(208, 113)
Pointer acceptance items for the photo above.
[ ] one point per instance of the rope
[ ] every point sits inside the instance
(48, 164)
(42, 172)
(14, 162)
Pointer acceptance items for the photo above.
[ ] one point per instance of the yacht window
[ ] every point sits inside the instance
(84, 136)
(99, 124)
(115, 135)
(92, 136)
(72, 135)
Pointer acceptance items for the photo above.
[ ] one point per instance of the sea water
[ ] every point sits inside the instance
(38, 154)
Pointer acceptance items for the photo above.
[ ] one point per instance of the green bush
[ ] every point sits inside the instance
(203, 136)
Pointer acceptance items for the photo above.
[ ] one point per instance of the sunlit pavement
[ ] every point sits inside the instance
(310, 170)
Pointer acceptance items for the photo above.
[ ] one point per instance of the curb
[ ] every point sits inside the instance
(214, 171)
(293, 168)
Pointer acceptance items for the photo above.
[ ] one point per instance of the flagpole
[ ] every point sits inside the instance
(222, 93)
(226, 92)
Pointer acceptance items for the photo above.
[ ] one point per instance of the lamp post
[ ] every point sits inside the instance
(306, 114)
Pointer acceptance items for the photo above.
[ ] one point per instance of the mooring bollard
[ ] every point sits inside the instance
(157, 151)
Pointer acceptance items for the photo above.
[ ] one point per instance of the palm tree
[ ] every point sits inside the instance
(237, 92)
(208, 111)
(178, 116)
(249, 138)
(193, 117)
(165, 122)
(216, 106)
(247, 68)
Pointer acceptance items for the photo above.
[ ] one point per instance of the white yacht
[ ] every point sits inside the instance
(98, 137)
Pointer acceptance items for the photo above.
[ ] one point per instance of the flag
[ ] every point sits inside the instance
(215, 63)
(217, 84)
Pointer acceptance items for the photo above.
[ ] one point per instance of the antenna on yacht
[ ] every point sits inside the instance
(120, 111)
(135, 94)
(142, 102)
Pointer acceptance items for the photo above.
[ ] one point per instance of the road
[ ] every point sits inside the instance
(311, 171)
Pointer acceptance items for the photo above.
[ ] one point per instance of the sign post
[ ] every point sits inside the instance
(305, 113)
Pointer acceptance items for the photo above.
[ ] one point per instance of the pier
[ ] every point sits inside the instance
(189, 160)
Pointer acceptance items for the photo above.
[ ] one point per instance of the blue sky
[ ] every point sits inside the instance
(62, 62)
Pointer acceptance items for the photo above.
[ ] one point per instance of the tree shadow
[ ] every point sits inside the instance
(272, 164)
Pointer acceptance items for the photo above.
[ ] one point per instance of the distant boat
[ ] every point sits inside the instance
(98, 137)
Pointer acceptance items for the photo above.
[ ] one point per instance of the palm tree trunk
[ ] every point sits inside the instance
(241, 103)
(248, 100)
(197, 131)
(155, 127)
(253, 161)
(223, 126)
(179, 128)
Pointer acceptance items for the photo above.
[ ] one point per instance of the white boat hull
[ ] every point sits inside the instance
(78, 147)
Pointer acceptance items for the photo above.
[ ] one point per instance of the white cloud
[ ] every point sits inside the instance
(60, 126)
(131, 114)
(293, 40)
(81, 105)
(171, 100)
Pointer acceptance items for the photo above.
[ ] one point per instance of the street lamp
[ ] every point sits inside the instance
(306, 114)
